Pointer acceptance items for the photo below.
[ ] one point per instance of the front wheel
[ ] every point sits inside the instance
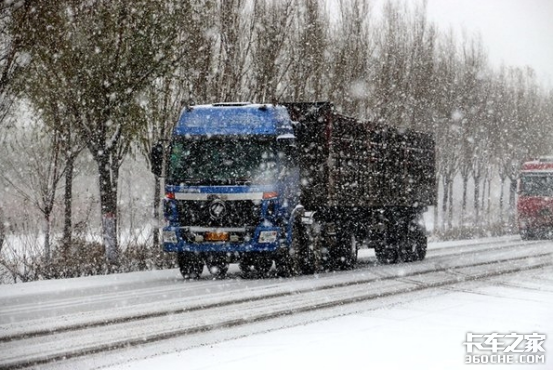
(190, 265)
(218, 266)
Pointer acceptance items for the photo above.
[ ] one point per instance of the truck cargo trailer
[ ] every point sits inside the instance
(296, 184)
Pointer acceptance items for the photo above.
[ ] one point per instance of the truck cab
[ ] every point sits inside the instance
(534, 205)
(231, 187)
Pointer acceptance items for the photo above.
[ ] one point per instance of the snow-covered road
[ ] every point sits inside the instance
(51, 320)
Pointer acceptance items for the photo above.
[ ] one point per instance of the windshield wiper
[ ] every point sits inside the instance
(191, 181)
(242, 181)
(215, 182)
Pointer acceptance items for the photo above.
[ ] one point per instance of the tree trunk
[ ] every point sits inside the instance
(108, 206)
(67, 202)
(436, 210)
(483, 200)
(512, 210)
(156, 233)
(450, 205)
(464, 200)
(2, 229)
(476, 200)
(445, 187)
(501, 200)
(489, 221)
(47, 237)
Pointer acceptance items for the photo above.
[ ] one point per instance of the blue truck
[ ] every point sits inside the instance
(293, 184)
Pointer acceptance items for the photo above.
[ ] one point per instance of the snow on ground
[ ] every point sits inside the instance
(105, 281)
(419, 330)
(424, 333)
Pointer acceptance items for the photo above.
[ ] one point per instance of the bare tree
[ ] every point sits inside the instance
(105, 53)
(308, 53)
(36, 181)
(160, 109)
(233, 50)
(348, 74)
(2, 229)
(446, 124)
(194, 73)
(13, 16)
(271, 22)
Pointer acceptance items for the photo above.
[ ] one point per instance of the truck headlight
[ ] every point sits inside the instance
(169, 236)
(268, 237)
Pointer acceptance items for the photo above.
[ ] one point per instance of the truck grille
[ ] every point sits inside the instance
(237, 213)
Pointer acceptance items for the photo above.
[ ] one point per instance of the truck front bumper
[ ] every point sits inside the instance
(230, 240)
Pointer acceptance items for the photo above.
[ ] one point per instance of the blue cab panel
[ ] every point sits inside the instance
(240, 119)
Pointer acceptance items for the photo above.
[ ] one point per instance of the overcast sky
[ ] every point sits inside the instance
(515, 32)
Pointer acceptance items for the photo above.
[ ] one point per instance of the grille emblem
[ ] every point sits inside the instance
(217, 209)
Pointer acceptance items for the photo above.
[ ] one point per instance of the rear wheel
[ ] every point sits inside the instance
(415, 244)
(304, 247)
(345, 254)
(421, 250)
(190, 265)
(284, 263)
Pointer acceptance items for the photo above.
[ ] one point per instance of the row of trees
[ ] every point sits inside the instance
(108, 78)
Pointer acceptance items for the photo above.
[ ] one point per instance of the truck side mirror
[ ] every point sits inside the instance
(156, 159)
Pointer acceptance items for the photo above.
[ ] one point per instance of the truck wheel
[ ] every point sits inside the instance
(258, 265)
(283, 263)
(190, 265)
(419, 246)
(304, 249)
(345, 255)
(246, 266)
(386, 256)
(218, 266)
(263, 264)
(528, 234)
(328, 243)
(414, 246)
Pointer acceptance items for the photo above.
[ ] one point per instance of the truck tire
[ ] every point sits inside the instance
(284, 263)
(328, 241)
(305, 250)
(345, 253)
(386, 256)
(419, 245)
(257, 265)
(190, 265)
(414, 245)
(528, 234)
(262, 265)
(218, 266)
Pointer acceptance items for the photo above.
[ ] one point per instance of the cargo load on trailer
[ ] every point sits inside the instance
(296, 184)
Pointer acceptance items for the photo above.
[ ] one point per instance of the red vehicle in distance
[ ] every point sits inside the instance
(534, 204)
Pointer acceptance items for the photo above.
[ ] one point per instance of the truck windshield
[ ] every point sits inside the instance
(222, 162)
(538, 185)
